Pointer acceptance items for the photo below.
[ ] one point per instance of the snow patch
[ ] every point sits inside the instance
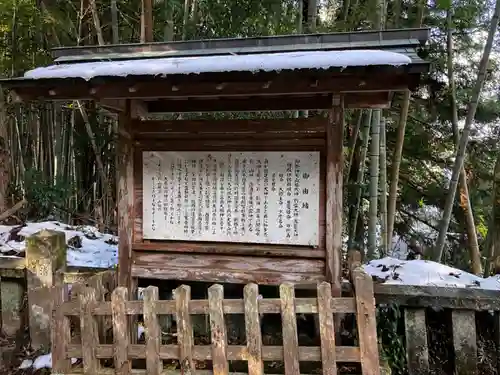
(426, 273)
(87, 247)
(222, 63)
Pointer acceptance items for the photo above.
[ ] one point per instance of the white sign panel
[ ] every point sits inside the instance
(256, 197)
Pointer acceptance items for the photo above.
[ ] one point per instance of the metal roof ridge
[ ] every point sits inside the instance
(421, 34)
(383, 45)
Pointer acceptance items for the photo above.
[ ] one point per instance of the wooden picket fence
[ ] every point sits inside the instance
(92, 308)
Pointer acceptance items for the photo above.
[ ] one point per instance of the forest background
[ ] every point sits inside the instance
(57, 160)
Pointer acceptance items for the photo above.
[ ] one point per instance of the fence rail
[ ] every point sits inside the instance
(91, 309)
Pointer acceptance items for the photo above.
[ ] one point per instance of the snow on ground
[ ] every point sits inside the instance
(426, 273)
(87, 247)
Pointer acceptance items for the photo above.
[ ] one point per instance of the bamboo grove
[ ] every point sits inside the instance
(426, 171)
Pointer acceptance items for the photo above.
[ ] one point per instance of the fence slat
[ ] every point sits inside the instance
(96, 283)
(464, 341)
(290, 337)
(252, 328)
(153, 332)
(184, 330)
(218, 330)
(89, 331)
(417, 351)
(326, 329)
(121, 332)
(367, 325)
(61, 334)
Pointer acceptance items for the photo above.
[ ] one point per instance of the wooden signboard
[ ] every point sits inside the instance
(252, 197)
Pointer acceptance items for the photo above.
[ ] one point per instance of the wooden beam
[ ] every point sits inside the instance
(218, 86)
(313, 127)
(334, 180)
(284, 103)
(125, 197)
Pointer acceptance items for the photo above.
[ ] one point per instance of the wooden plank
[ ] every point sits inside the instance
(121, 331)
(334, 178)
(125, 198)
(89, 331)
(230, 249)
(220, 268)
(231, 306)
(252, 329)
(184, 330)
(218, 330)
(350, 354)
(299, 144)
(465, 342)
(366, 322)
(96, 283)
(290, 336)
(327, 329)
(60, 333)
(297, 127)
(417, 351)
(153, 332)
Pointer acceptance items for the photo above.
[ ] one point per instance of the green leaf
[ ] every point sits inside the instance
(443, 4)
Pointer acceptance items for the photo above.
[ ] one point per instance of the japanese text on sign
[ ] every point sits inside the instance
(256, 197)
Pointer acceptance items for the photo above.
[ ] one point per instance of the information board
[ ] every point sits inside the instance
(254, 197)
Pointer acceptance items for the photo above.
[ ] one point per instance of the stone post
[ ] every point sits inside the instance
(45, 264)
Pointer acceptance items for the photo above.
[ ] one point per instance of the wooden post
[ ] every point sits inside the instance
(125, 198)
(45, 256)
(334, 177)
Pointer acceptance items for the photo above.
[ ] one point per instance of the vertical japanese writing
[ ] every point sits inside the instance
(266, 198)
(159, 184)
(185, 187)
(281, 201)
(289, 192)
(207, 195)
(171, 194)
(192, 197)
(214, 197)
(251, 208)
(236, 196)
(178, 212)
(258, 190)
(229, 196)
(296, 196)
(222, 194)
(153, 203)
(199, 196)
(243, 198)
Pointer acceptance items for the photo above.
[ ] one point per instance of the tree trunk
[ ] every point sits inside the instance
(460, 154)
(365, 137)
(464, 200)
(114, 22)
(396, 162)
(168, 32)
(374, 175)
(383, 190)
(493, 236)
(185, 22)
(147, 21)
(97, 22)
(4, 154)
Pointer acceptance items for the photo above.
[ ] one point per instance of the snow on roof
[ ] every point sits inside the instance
(222, 63)
(87, 247)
